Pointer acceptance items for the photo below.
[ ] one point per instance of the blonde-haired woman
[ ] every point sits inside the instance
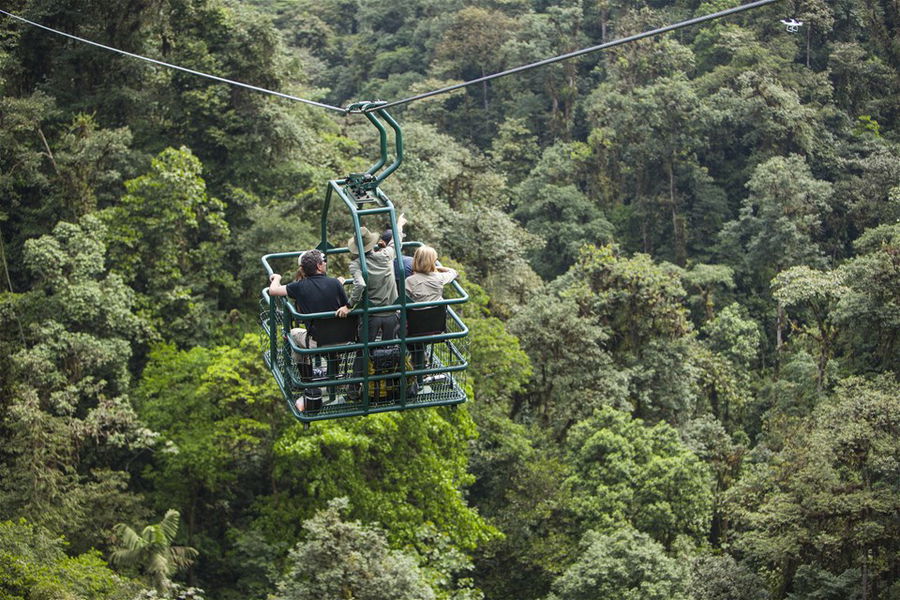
(427, 282)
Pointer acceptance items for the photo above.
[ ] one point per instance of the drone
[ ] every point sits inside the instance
(792, 25)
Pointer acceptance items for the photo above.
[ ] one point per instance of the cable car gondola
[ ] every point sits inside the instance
(431, 347)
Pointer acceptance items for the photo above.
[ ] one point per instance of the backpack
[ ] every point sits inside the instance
(383, 360)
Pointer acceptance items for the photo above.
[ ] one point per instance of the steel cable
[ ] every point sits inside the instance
(576, 53)
(176, 67)
(381, 105)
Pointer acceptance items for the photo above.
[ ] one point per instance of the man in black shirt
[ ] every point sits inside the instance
(314, 293)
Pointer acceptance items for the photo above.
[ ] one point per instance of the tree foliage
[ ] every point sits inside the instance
(342, 559)
(628, 473)
(626, 564)
(152, 552)
(34, 564)
(828, 498)
(682, 261)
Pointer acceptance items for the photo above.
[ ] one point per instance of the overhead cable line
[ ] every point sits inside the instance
(381, 105)
(176, 67)
(576, 53)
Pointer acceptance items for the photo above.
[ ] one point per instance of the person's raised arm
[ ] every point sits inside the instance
(275, 286)
(446, 274)
(400, 223)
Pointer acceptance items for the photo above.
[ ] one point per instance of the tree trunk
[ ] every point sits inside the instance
(779, 325)
(714, 403)
(10, 286)
(677, 222)
(707, 296)
(808, 34)
(569, 98)
(715, 529)
(604, 16)
(865, 577)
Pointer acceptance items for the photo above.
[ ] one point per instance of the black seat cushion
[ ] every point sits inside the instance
(425, 321)
(331, 332)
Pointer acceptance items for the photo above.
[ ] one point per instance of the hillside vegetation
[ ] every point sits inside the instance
(683, 256)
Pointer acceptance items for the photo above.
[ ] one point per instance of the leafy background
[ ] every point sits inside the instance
(684, 262)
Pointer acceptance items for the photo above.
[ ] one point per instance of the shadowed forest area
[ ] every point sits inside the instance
(683, 256)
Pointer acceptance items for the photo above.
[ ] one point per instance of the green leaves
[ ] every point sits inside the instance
(34, 564)
(780, 222)
(500, 368)
(346, 559)
(152, 551)
(626, 564)
(827, 498)
(71, 426)
(219, 413)
(762, 165)
(398, 469)
(626, 472)
(166, 240)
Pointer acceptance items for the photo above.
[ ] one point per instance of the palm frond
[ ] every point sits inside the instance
(128, 537)
(169, 524)
(183, 556)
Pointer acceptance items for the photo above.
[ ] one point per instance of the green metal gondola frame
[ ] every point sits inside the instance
(439, 382)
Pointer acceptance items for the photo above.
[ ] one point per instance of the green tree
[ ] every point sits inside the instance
(611, 331)
(639, 306)
(218, 414)
(69, 426)
(818, 292)
(829, 497)
(470, 42)
(152, 552)
(730, 352)
(500, 368)
(243, 137)
(87, 166)
(347, 559)
(628, 472)
(867, 314)
(514, 148)
(734, 335)
(651, 131)
(52, 171)
(397, 469)
(34, 564)
(706, 279)
(548, 96)
(550, 206)
(519, 474)
(780, 221)
(724, 455)
(862, 79)
(720, 577)
(867, 188)
(626, 564)
(83, 78)
(570, 362)
(457, 202)
(166, 240)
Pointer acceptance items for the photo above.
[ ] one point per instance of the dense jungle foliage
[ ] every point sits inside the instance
(684, 261)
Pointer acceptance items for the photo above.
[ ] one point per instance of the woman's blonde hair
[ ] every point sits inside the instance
(424, 259)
